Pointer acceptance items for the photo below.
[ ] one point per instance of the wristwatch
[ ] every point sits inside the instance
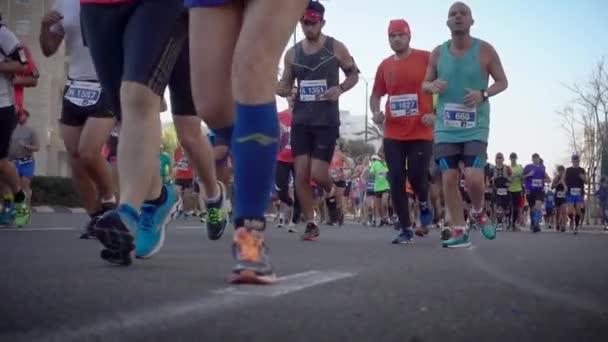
(484, 94)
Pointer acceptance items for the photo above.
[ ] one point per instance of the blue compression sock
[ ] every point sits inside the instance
(255, 145)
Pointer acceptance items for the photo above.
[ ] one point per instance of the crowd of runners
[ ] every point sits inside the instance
(218, 59)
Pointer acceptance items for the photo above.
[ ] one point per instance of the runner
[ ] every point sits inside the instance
(458, 72)
(408, 126)
(12, 61)
(501, 179)
(379, 172)
(535, 176)
(559, 186)
(234, 53)
(489, 194)
(86, 122)
(184, 180)
(24, 142)
(515, 192)
(285, 168)
(575, 178)
(549, 207)
(337, 169)
(315, 62)
(602, 196)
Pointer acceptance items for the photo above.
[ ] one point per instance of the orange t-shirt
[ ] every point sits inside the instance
(402, 81)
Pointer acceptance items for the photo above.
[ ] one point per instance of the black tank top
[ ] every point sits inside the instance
(315, 74)
(501, 177)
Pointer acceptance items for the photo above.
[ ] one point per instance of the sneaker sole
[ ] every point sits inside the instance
(163, 229)
(119, 244)
(310, 238)
(250, 277)
(462, 245)
(421, 232)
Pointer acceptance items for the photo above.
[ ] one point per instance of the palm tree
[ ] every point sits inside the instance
(374, 132)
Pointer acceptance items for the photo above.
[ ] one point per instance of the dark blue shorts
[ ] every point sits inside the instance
(204, 3)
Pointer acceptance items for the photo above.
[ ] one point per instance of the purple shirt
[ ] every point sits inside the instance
(537, 181)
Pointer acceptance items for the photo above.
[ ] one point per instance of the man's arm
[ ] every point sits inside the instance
(34, 144)
(497, 72)
(285, 86)
(431, 72)
(25, 81)
(378, 90)
(12, 67)
(51, 33)
(348, 66)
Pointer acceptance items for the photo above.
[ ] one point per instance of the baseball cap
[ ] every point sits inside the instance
(314, 12)
(399, 26)
(575, 157)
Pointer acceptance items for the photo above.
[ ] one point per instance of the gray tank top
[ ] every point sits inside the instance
(315, 74)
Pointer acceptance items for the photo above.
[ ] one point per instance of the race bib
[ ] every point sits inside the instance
(459, 116)
(537, 183)
(404, 105)
(312, 90)
(114, 132)
(83, 94)
(575, 191)
(489, 190)
(561, 194)
(462, 183)
(501, 192)
(182, 165)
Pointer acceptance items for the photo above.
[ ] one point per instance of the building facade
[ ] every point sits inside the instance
(23, 17)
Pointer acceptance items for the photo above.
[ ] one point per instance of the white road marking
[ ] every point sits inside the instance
(189, 227)
(287, 284)
(77, 210)
(36, 229)
(130, 324)
(43, 209)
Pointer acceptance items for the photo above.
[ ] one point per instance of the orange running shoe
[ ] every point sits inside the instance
(250, 252)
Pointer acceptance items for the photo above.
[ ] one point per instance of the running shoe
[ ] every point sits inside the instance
(22, 214)
(311, 233)
(89, 229)
(459, 239)
(153, 222)
(332, 209)
(115, 230)
(405, 237)
(7, 215)
(291, 228)
(217, 216)
(481, 221)
(251, 255)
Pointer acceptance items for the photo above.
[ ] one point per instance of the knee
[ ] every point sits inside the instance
(190, 141)
(214, 109)
(252, 63)
(138, 99)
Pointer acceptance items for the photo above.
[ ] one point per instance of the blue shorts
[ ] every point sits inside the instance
(204, 3)
(25, 169)
(574, 199)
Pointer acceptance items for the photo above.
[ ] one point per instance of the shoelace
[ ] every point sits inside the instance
(21, 210)
(147, 218)
(214, 215)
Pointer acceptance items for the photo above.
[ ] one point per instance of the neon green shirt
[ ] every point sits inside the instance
(516, 179)
(379, 170)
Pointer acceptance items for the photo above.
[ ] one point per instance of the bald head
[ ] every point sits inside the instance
(460, 6)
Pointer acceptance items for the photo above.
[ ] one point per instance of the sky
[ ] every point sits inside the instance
(543, 45)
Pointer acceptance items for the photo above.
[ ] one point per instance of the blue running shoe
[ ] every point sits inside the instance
(115, 230)
(405, 237)
(152, 224)
(426, 220)
(7, 215)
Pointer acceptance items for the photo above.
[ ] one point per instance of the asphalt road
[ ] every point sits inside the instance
(352, 285)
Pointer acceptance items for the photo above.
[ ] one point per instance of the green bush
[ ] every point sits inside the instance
(56, 191)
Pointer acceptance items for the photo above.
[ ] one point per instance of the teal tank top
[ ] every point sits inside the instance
(456, 123)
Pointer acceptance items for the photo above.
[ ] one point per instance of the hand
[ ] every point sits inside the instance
(378, 118)
(283, 90)
(333, 93)
(473, 97)
(439, 86)
(428, 119)
(51, 18)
